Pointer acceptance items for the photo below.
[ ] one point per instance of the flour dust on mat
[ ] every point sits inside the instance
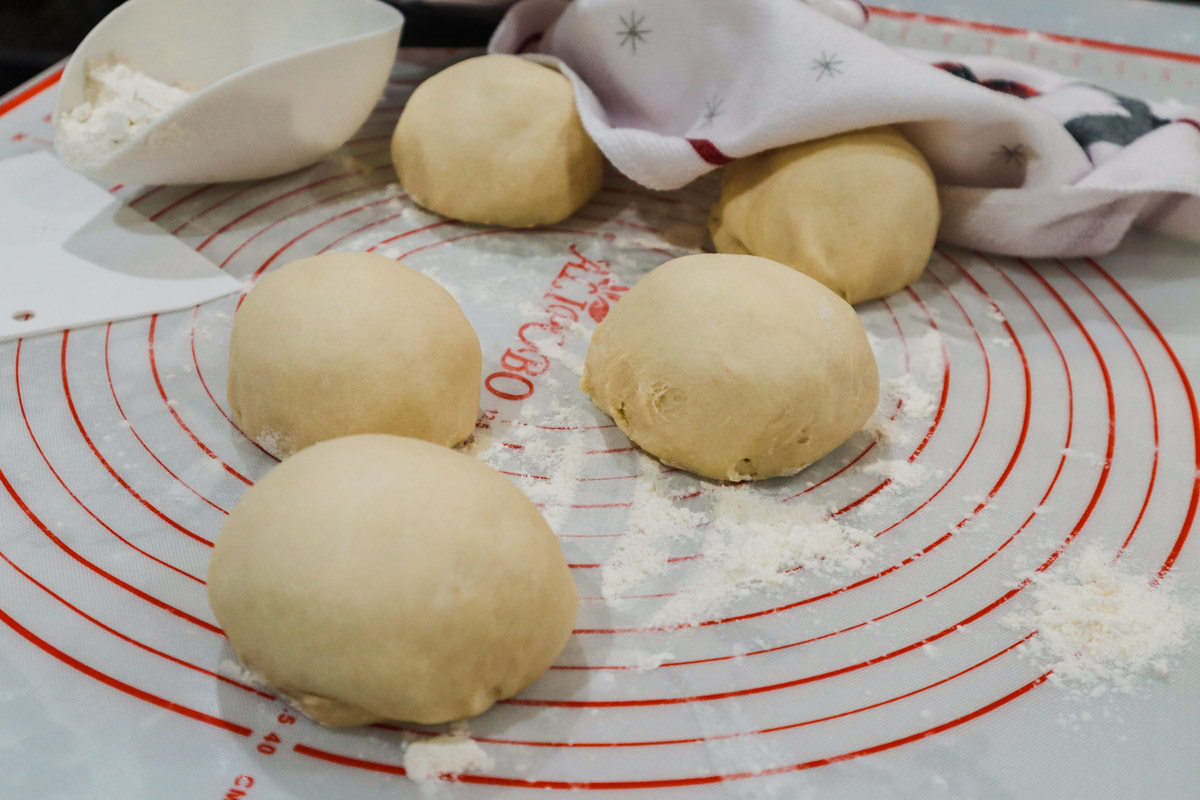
(1099, 626)
(746, 541)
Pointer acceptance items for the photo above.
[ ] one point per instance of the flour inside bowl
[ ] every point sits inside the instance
(120, 102)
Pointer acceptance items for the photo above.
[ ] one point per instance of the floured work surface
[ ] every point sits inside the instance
(1038, 421)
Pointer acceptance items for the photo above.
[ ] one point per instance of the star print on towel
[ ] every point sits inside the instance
(632, 31)
(827, 65)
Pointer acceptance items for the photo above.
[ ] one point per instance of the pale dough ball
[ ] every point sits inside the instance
(496, 140)
(858, 211)
(347, 343)
(379, 577)
(732, 367)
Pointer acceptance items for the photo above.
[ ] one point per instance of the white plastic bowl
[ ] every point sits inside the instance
(284, 83)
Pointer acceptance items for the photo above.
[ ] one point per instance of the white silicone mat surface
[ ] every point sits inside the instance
(1048, 409)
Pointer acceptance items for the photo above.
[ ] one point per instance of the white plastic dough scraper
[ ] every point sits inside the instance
(71, 255)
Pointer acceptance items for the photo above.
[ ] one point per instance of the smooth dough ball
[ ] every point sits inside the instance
(346, 343)
(384, 578)
(496, 140)
(858, 211)
(732, 367)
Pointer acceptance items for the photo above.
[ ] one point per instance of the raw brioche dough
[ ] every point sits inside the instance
(732, 367)
(347, 343)
(379, 577)
(858, 211)
(496, 140)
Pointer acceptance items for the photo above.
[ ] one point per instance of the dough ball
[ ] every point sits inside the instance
(379, 577)
(858, 211)
(496, 140)
(347, 343)
(732, 367)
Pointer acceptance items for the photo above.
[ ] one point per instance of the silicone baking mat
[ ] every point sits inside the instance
(1062, 416)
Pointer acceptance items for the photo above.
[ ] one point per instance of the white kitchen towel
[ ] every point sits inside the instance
(1029, 162)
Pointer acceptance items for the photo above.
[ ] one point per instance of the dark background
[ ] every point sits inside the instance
(36, 35)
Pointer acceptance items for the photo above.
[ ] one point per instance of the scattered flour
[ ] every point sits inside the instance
(742, 541)
(651, 661)
(428, 761)
(273, 442)
(931, 352)
(228, 668)
(559, 470)
(1100, 626)
(900, 400)
(902, 472)
(1087, 458)
(642, 553)
(120, 102)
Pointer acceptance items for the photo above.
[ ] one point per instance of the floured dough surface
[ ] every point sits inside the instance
(379, 577)
(496, 140)
(346, 343)
(858, 211)
(733, 367)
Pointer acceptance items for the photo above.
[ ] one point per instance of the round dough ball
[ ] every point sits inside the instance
(384, 578)
(496, 140)
(347, 343)
(858, 211)
(732, 367)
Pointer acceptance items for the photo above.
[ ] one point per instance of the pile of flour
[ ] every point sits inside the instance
(429, 761)
(120, 102)
(1099, 625)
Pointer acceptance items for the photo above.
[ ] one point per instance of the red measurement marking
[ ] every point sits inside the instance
(113, 389)
(245, 215)
(120, 686)
(240, 784)
(169, 206)
(1190, 516)
(67, 489)
(775, 729)
(123, 637)
(49, 534)
(525, 475)
(104, 462)
(162, 393)
(1149, 389)
(21, 95)
(1006, 30)
(495, 780)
